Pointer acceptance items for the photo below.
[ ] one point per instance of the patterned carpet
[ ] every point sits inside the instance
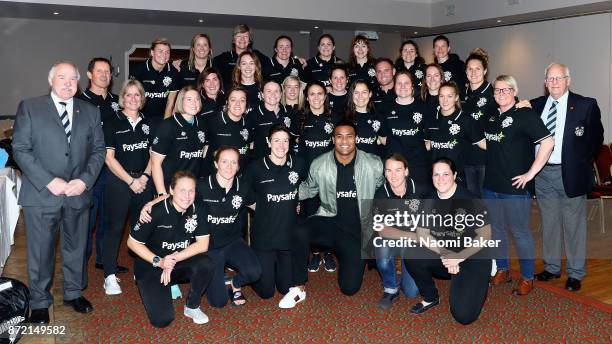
(328, 316)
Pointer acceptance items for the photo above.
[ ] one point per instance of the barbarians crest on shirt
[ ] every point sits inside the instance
(413, 205)
(481, 102)
(136, 227)
(328, 128)
(579, 131)
(294, 72)
(447, 75)
(287, 121)
(418, 73)
(201, 136)
(145, 129)
(454, 129)
(156, 140)
(167, 81)
(293, 177)
(115, 106)
(375, 125)
(191, 223)
(245, 134)
(417, 117)
(507, 122)
(236, 201)
(371, 72)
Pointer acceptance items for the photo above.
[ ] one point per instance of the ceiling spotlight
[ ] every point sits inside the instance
(416, 32)
(316, 27)
(499, 20)
(55, 13)
(200, 20)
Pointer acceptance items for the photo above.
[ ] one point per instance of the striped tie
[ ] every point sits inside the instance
(65, 121)
(551, 121)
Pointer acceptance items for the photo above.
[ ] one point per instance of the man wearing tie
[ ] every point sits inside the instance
(562, 185)
(59, 146)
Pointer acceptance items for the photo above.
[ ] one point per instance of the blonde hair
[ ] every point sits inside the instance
(129, 83)
(300, 91)
(178, 106)
(508, 79)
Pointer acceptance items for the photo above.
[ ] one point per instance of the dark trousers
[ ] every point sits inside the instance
(325, 232)
(119, 200)
(42, 225)
(468, 288)
(276, 272)
(474, 179)
(241, 258)
(157, 298)
(97, 207)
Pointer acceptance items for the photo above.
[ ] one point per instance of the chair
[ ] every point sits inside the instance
(603, 179)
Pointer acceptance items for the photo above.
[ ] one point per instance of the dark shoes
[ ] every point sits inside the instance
(120, 269)
(80, 305)
(523, 287)
(315, 262)
(573, 284)
(420, 308)
(39, 316)
(546, 276)
(387, 300)
(329, 263)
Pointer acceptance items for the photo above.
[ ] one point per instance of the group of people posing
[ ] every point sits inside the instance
(195, 146)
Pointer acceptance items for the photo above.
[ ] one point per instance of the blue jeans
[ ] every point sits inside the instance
(97, 208)
(512, 212)
(385, 262)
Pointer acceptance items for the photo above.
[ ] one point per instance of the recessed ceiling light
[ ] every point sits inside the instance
(316, 27)
(416, 32)
(499, 20)
(200, 20)
(55, 13)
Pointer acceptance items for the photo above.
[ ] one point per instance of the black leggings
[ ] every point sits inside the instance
(157, 298)
(468, 288)
(240, 257)
(322, 231)
(276, 272)
(119, 199)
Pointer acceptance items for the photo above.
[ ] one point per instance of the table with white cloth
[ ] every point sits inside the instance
(10, 182)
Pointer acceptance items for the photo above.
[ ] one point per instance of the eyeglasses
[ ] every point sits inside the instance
(552, 79)
(503, 90)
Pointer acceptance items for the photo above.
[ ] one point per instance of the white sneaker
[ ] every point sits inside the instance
(111, 285)
(196, 314)
(292, 298)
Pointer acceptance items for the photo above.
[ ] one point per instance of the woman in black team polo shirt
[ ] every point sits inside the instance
(210, 87)
(293, 97)
(318, 67)
(273, 181)
(200, 58)
(468, 267)
(361, 61)
(283, 63)
(179, 141)
(451, 132)
(361, 112)
(229, 128)
(338, 94)
(127, 137)
(479, 102)
(247, 74)
(429, 92)
(411, 60)
(172, 248)
(403, 128)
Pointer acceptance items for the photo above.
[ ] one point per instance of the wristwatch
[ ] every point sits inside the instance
(161, 194)
(156, 261)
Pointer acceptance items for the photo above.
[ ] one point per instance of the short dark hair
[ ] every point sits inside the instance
(224, 148)
(398, 157)
(445, 160)
(441, 38)
(278, 127)
(345, 123)
(92, 64)
(180, 175)
(205, 73)
(383, 59)
(282, 37)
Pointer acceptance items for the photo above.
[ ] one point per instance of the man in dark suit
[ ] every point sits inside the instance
(59, 145)
(562, 185)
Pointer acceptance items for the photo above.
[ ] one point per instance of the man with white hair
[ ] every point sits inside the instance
(59, 146)
(561, 187)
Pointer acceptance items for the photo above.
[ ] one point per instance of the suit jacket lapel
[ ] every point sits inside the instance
(53, 112)
(569, 119)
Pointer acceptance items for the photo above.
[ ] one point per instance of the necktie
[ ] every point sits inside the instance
(551, 121)
(65, 121)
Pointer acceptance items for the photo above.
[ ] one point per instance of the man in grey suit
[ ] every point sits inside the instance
(59, 146)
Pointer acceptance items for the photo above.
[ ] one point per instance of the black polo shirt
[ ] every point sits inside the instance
(316, 137)
(481, 105)
(157, 86)
(189, 77)
(182, 145)
(383, 100)
(318, 69)
(433, 103)
(366, 73)
(225, 211)
(254, 96)
(259, 122)
(454, 70)
(226, 62)
(338, 104)
(368, 125)
(347, 206)
(417, 70)
(404, 128)
(108, 106)
(169, 231)
(274, 189)
(131, 144)
(387, 202)
(276, 71)
(511, 140)
(221, 130)
(452, 136)
(210, 106)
